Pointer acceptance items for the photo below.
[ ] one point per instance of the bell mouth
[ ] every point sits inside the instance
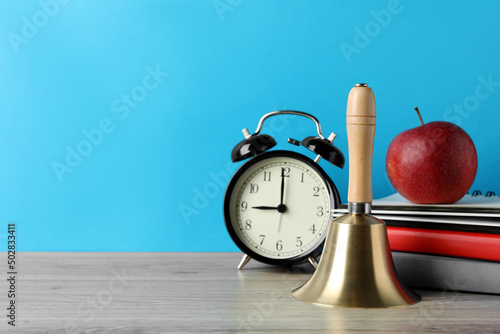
(356, 269)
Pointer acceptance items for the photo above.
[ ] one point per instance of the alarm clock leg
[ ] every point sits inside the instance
(313, 262)
(244, 261)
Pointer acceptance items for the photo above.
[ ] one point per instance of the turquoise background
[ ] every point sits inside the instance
(153, 178)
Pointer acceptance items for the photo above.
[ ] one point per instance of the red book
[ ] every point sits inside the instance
(485, 246)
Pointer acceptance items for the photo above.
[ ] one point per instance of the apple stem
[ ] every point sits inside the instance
(419, 116)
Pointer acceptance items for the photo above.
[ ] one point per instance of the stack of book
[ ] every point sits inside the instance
(453, 247)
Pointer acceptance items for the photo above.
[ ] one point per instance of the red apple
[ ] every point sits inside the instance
(434, 163)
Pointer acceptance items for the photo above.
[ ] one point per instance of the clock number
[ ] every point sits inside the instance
(279, 245)
(254, 188)
(299, 242)
(313, 229)
(320, 211)
(248, 224)
(267, 176)
(316, 191)
(263, 237)
(286, 171)
(302, 178)
(244, 206)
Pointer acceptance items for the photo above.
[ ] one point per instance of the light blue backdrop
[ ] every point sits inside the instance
(117, 118)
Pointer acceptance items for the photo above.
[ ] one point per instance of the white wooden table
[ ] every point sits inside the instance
(204, 292)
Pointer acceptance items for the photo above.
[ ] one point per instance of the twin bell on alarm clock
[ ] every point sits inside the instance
(277, 206)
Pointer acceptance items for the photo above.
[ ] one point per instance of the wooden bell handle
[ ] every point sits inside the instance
(361, 120)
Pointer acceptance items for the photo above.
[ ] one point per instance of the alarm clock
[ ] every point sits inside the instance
(277, 206)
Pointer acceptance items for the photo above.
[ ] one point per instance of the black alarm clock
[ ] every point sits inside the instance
(277, 206)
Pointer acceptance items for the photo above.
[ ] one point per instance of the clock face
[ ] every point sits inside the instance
(277, 207)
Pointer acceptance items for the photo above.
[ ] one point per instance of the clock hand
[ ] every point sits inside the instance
(279, 222)
(281, 208)
(282, 184)
(265, 207)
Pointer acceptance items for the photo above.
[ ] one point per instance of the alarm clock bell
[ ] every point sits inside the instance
(257, 143)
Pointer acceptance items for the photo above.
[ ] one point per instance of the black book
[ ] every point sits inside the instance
(447, 273)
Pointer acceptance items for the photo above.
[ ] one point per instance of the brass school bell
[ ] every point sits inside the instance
(356, 268)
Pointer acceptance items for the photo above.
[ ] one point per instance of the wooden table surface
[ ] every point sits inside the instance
(204, 292)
